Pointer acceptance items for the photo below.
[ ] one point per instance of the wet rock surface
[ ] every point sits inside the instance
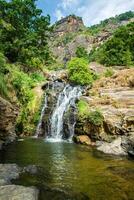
(17, 192)
(10, 172)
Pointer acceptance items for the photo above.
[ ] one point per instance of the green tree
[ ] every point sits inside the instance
(24, 31)
(81, 52)
(118, 50)
(79, 72)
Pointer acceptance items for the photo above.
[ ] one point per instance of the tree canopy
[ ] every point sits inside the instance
(24, 32)
(118, 50)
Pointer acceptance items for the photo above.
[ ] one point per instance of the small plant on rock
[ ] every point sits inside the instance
(95, 117)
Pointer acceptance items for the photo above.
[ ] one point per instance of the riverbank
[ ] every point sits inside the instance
(106, 113)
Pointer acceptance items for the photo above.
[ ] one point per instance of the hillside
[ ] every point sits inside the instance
(70, 34)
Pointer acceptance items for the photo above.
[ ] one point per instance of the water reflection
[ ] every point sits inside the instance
(74, 169)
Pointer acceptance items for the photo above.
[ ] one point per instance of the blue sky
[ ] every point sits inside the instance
(92, 11)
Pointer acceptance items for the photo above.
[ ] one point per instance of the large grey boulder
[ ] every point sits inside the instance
(16, 192)
(114, 147)
(8, 172)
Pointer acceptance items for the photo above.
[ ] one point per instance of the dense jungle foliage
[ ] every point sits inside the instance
(24, 52)
(118, 50)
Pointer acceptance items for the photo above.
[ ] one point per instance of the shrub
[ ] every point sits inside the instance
(82, 107)
(118, 50)
(3, 87)
(36, 77)
(22, 84)
(2, 63)
(81, 52)
(95, 117)
(79, 72)
(109, 72)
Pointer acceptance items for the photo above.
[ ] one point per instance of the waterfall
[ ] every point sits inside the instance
(57, 120)
(38, 129)
(66, 99)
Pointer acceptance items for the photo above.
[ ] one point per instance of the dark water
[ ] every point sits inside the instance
(72, 171)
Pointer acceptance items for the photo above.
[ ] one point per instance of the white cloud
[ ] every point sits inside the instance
(101, 9)
(58, 14)
(65, 4)
(93, 11)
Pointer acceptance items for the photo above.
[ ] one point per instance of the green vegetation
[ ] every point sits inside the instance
(95, 117)
(109, 72)
(81, 52)
(23, 85)
(24, 34)
(3, 85)
(106, 24)
(118, 50)
(82, 107)
(78, 72)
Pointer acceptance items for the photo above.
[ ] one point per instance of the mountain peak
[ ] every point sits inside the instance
(68, 24)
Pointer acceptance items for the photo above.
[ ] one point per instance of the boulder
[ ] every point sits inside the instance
(82, 139)
(97, 68)
(114, 147)
(16, 192)
(9, 172)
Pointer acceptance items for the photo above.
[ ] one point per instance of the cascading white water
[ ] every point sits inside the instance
(38, 129)
(65, 99)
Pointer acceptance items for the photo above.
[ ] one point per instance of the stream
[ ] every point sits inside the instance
(72, 172)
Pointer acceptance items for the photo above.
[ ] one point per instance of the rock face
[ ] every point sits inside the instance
(114, 147)
(8, 191)
(68, 24)
(9, 172)
(70, 33)
(114, 98)
(8, 116)
(18, 192)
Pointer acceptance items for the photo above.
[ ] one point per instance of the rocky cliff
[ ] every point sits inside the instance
(8, 115)
(70, 33)
(113, 97)
(68, 24)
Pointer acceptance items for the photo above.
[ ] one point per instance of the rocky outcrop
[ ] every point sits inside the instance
(82, 139)
(113, 97)
(68, 24)
(8, 114)
(114, 147)
(8, 191)
(18, 192)
(70, 33)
